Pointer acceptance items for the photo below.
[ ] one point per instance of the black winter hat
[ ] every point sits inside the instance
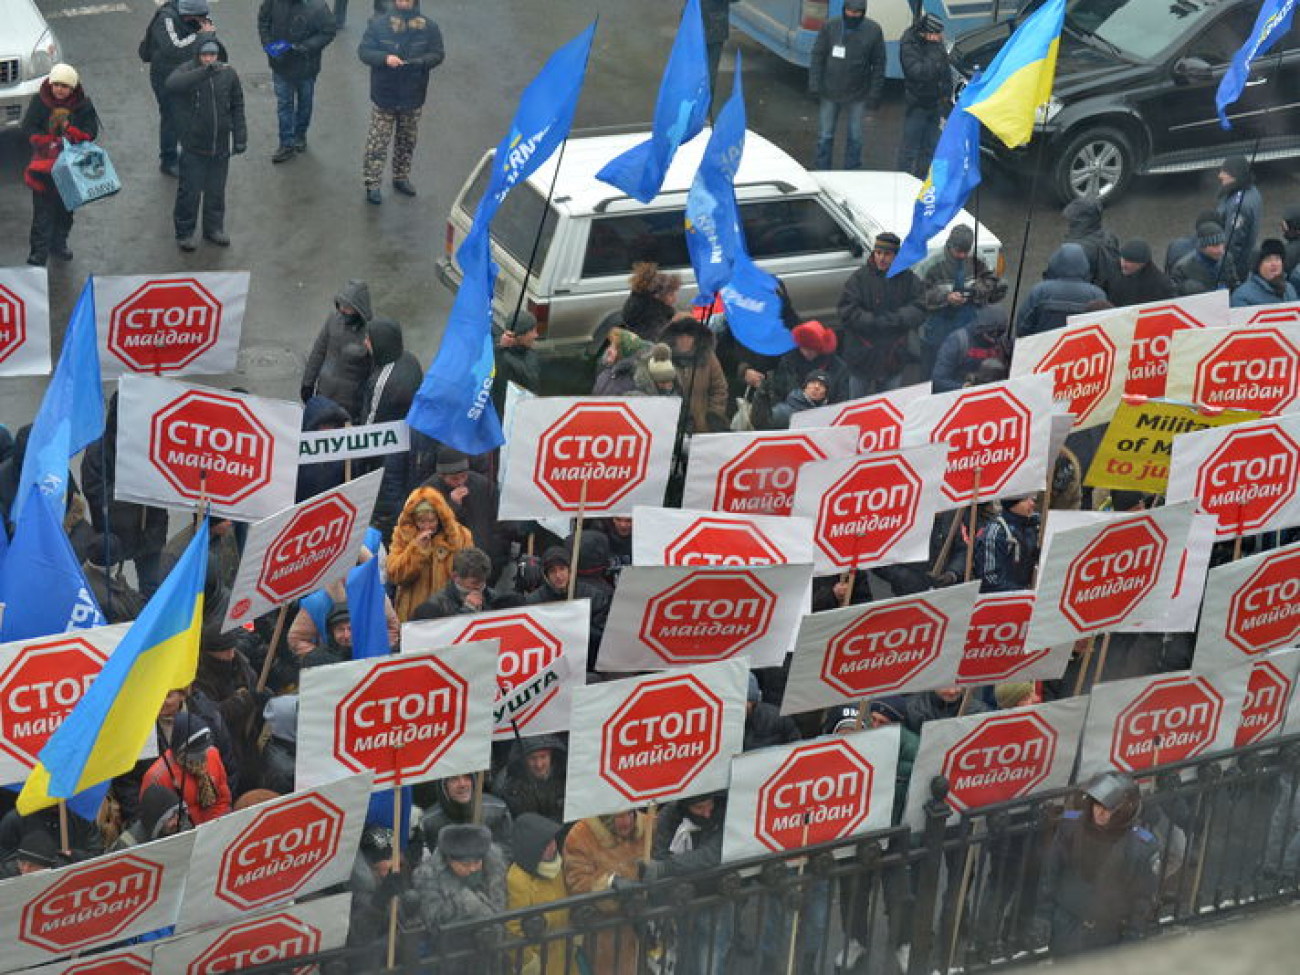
(1209, 233)
(461, 841)
(210, 46)
(555, 555)
(930, 24)
(522, 323)
(1269, 247)
(37, 846)
(1136, 251)
(451, 461)
(1236, 166)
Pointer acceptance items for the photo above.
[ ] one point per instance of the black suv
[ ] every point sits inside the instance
(1134, 92)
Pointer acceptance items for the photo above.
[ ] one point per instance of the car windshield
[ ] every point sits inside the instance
(1139, 29)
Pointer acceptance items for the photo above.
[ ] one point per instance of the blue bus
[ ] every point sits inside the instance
(789, 27)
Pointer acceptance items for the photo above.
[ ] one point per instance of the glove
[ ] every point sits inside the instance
(238, 149)
(278, 49)
(307, 392)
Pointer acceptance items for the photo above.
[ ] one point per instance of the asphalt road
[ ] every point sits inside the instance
(304, 227)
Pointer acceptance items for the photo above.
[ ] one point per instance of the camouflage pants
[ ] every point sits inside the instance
(401, 129)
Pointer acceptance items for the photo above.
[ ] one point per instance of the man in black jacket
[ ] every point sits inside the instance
(880, 316)
(293, 33)
(927, 88)
(847, 73)
(210, 111)
(402, 47)
(173, 38)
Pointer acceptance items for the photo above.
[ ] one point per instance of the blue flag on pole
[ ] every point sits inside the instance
(366, 609)
(71, 414)
(954, 172)
(1273, 21)
(680, 113)
(41, 583)
(453, 403)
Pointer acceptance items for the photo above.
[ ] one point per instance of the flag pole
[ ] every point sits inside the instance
(541, 226)
(1101, 659)
(65, 844)
(273, 647)
(974, 517)
(794, 922)
(577, 540)
(397, 861)
(1024, 239)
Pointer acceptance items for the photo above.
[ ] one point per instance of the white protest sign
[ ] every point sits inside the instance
(654, 738)
(24, 322)
(170, 324)
(1251, 368)
(1245, 475)
(354, 443)
(872, 509)
(894, 646)
(1087, 362)
(675, 616)
(92, 904)
(878, 419)
(672, 536)
(996, 757)
(274, 852)
(1269, 693)
(996, 649)
(301, 549)
(754, 473)
(408, 718)
(600, 455)
(264, 939)
(41, 681)
(999, 435)
(192, 444)
(1282, 313)
(1251, 606)
(532, 695)
(128, 961)
(1189, 583)
(1147, 721)
(1109, 575)
(810, 792)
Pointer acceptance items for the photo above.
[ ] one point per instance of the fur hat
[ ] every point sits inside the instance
(1269, 247)
(1136, 251)
(660, 366)
(1012, 694)
(64, 74)
(451, 461)
(1209, 233)
(464, 842)
(814, 337)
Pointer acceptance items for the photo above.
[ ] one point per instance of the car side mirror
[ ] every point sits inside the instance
(1192, 71)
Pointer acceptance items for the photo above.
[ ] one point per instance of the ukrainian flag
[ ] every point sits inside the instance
(105, 732)
(1007, 95)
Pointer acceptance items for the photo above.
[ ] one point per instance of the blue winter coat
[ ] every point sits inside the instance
(1065, 291)
(415, 39)
(1257, 291)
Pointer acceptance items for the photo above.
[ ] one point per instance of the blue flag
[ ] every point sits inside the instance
(1273, 21)
(71, 414)
(954, 172)
(754, 309)
(453, 403)
(680, 113)
(41, 583)
(366, 609)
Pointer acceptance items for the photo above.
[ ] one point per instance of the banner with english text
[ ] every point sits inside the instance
(24, 322)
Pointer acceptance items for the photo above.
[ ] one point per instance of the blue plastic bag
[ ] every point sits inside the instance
(83, 173)
(278, 48)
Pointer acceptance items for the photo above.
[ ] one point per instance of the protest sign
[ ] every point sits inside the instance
(128, 961)
(672, 536)
(24, 322)
(1282, 313)
(354, 443)
(1253, 368)
(1087, 362)
(1251, 606)
(1269, 693)
(878, 419)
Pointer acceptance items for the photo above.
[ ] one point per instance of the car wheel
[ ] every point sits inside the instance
(1096, 163)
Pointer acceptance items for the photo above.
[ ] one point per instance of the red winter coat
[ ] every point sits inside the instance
(47, 122)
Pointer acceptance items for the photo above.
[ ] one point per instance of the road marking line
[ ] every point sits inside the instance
(97, 8)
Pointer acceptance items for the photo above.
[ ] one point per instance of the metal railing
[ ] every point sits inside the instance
(963, 894)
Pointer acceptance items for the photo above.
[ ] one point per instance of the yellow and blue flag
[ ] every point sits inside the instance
(680, 113)
(1273, 21)
(1006, 97)
(105, 732)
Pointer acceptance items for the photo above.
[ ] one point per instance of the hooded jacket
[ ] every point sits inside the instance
(169, 772)
(209, 107)
(414, 38)
(523, 793)
(395, 374)
(320, 413)
(46, 123)
(1101, 247)
(927, 72)
(1148, 284)
(339, 363)
(445, 811)
(700, 375)
(965, 350)
(1064, 291)
(858, 76)
(157, 806)
(593, 856)
(700, 850)
(525, 887)
(418, 571)
(308, 25)
(140, 529)
(1241, 211)
(173, 40)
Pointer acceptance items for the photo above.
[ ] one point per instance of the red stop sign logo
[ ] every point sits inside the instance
(666, 732)
(163, 326)
(995, 640)
(988, 432)
(821, 792)
(13, 322)
(279, 852)
(1267, 695)
(879, 423)
(91, 904)
(39, 688)
(1113, 574)
(1248, 478)
(1004, 758)
(1251, 370)
(1280, 315)
(305, 548)
(527, 649)
(126, 963)
(718, 542)
(279, 937)
(1264, 613)
(402, 718)
(708, 616)
(1148, 362)
(867, 511)
(1082, 363)
(202, 431)
(1172, 720)
(885, 648)
(760, 480)
(602, 446)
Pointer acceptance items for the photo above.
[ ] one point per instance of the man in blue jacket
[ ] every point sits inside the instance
(402, 47)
